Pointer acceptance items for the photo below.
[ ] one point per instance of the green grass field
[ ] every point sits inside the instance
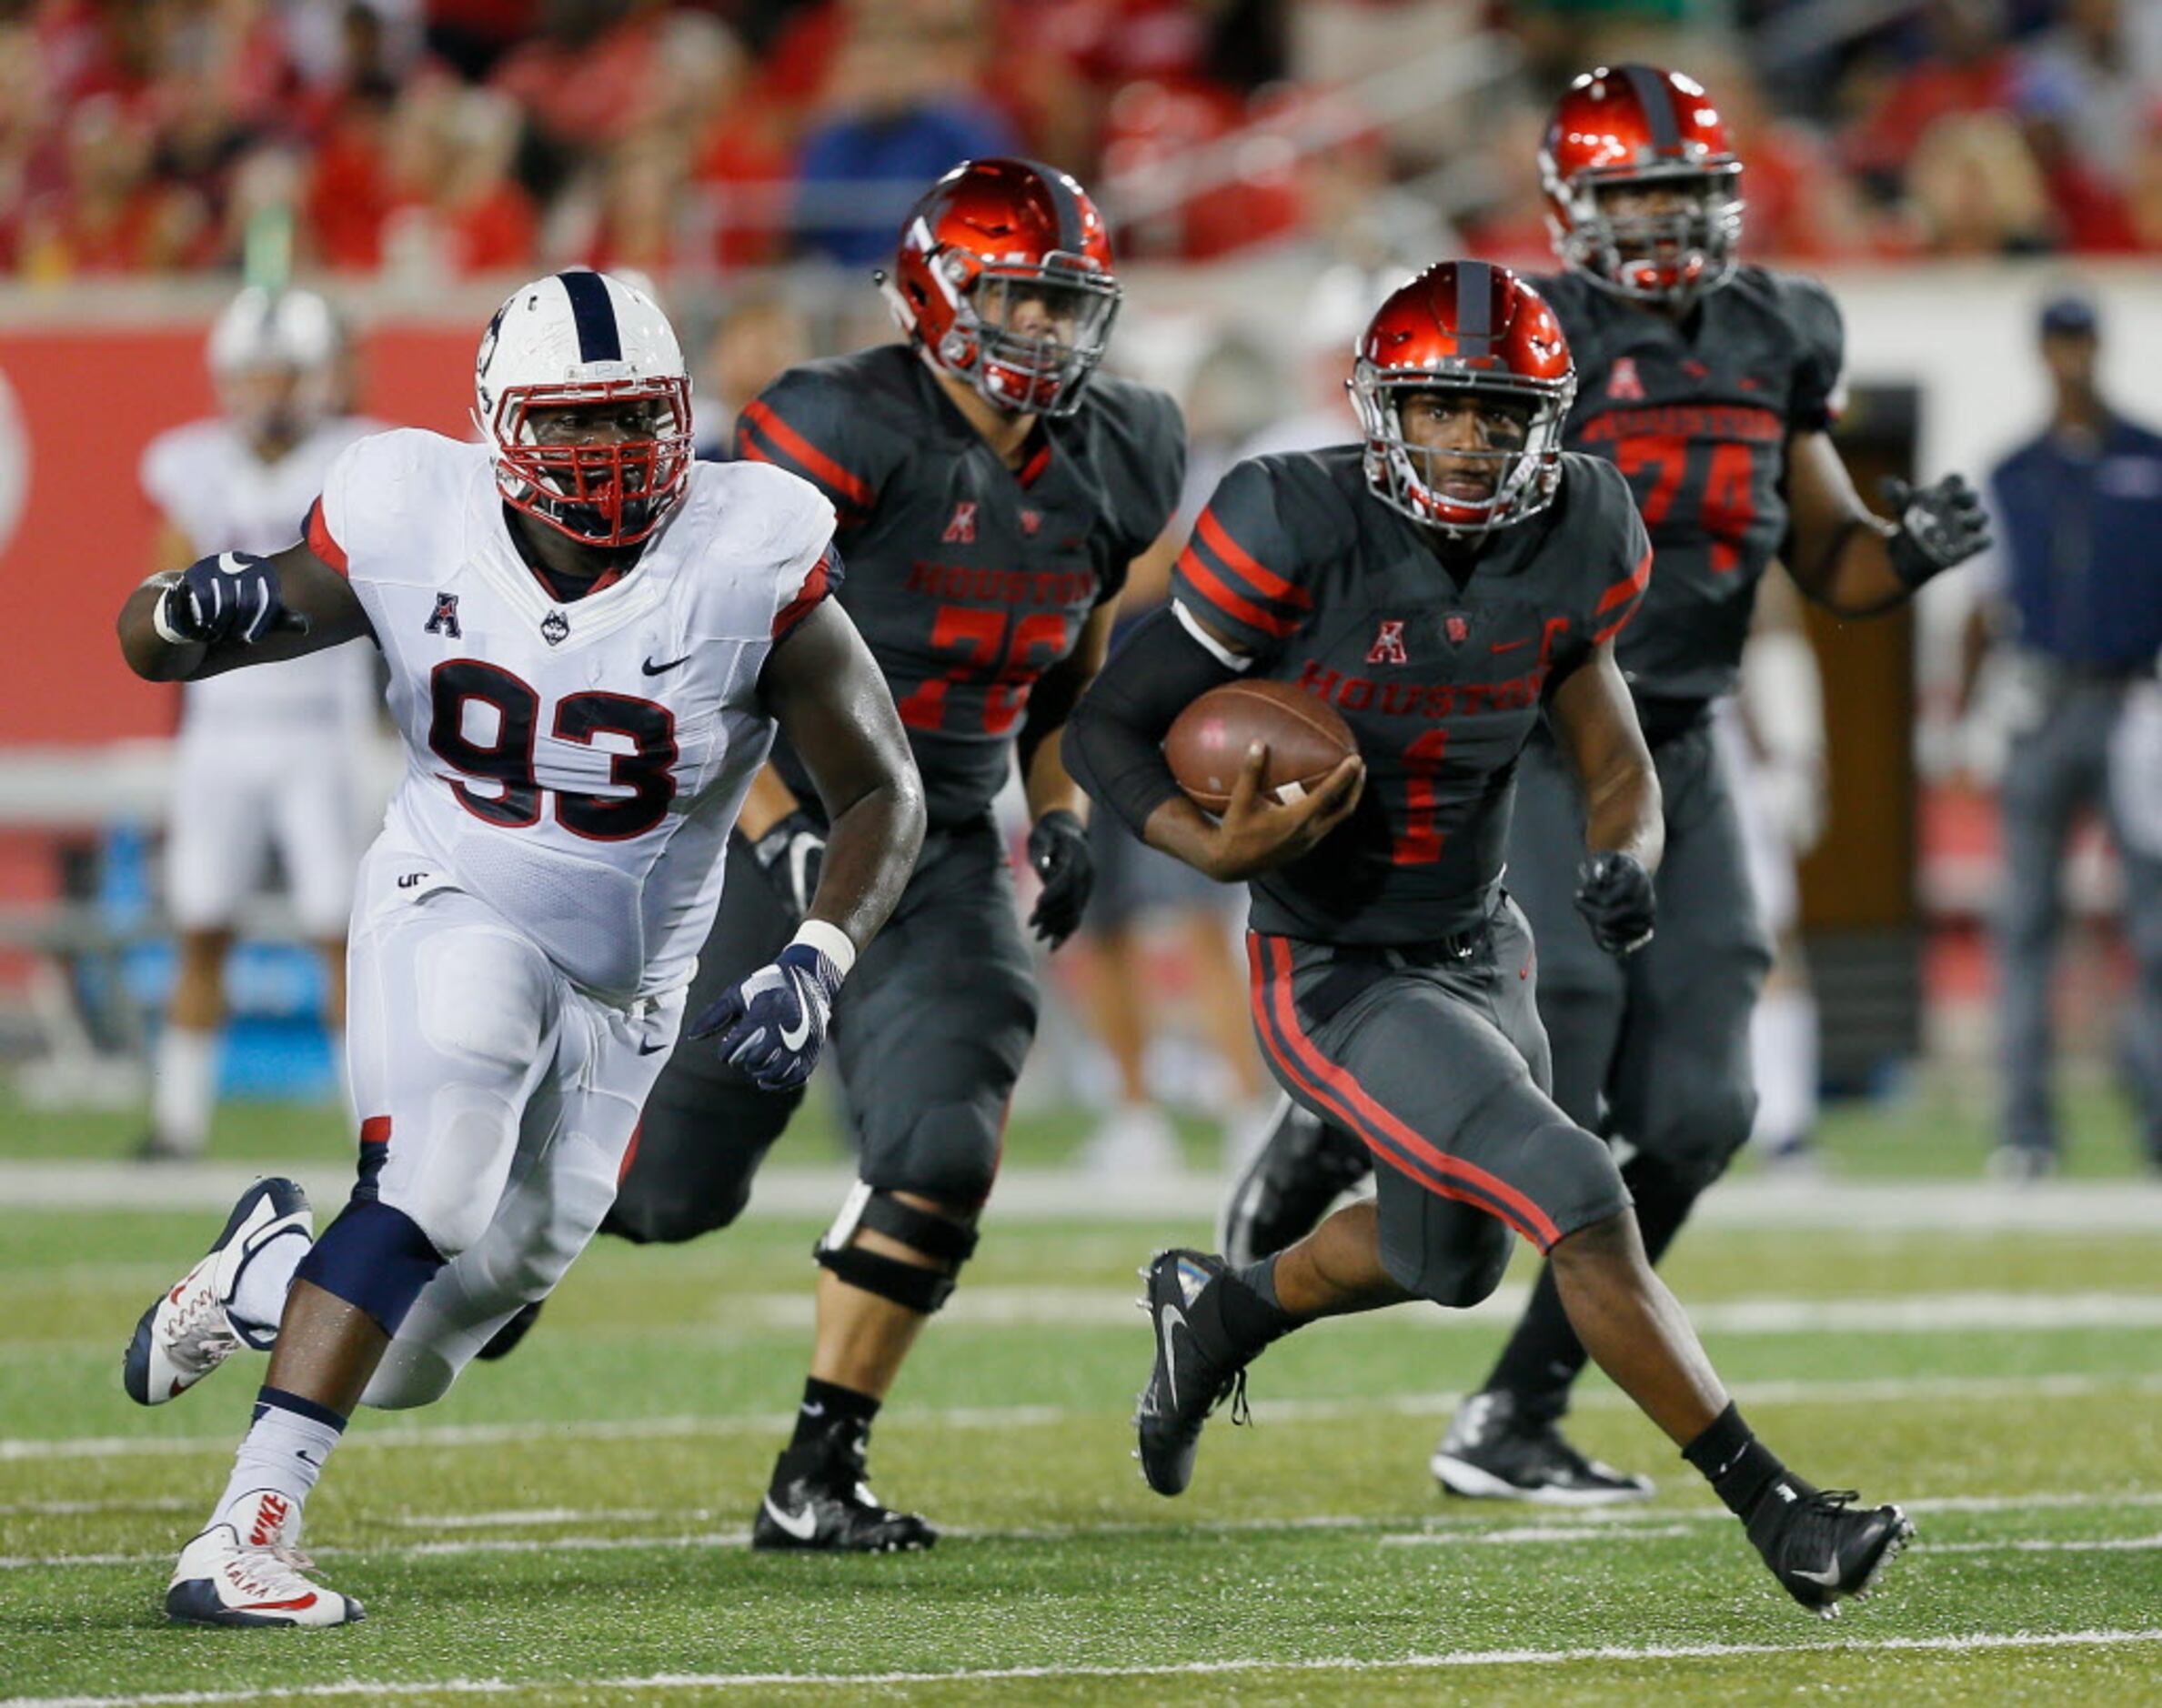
(568, 1527)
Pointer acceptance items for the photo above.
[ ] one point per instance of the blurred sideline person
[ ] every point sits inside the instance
(1712, 386)
(592, 638)
(1138, 888)
(757, 337)
(1447, 584)
(268, 758)
(1772, 735)
(992, 491)
(2078, 601)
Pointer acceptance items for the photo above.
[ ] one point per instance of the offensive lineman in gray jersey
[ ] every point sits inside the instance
(1712, 386)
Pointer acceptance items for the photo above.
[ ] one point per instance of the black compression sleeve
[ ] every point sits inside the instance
(1113, 745)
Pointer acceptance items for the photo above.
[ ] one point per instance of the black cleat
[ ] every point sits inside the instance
(1195, 1366)
(819, 1502)
(505, 1340)
(1300, 1168)
(1821, 1547)
(1493, 1454)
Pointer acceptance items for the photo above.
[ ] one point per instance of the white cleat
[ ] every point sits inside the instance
(187, 1332)
(248, 1572)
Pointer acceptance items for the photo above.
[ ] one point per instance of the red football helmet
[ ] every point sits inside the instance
(1643, 128)
(1464, 326)
(1004, 277)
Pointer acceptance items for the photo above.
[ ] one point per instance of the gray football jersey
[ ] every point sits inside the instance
(1441, 683)
(967, 578)
(1696, 414)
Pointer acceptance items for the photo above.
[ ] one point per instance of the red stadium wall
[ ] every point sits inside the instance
(79, 532)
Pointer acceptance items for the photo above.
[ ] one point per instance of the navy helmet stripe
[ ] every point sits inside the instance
(599, 340)
(1474, 307)
(1073, 232)
(1653, 95)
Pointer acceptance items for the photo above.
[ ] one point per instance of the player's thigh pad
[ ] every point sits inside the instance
(707, 1127)
(574, 1136)
(934, 1023)
(1683, 1090)
(218, 836)
(1416, 1062)
(453, 1018)
(1582, 995)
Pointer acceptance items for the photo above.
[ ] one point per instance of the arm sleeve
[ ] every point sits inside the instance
(801, 424)
(1113, 745)
(1820, 374)
(1239, 570)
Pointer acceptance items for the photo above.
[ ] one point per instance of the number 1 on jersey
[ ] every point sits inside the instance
(1419, 843)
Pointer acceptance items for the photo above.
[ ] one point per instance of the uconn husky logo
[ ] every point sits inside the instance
(445, 620)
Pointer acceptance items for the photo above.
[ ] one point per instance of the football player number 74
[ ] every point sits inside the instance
(1011, 651)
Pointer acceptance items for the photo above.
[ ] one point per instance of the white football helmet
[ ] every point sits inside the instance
(273, 357)
(574, 340)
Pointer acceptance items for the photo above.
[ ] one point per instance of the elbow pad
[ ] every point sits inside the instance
(1113, 745)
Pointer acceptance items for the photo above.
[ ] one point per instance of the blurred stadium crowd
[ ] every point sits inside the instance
(429, 140)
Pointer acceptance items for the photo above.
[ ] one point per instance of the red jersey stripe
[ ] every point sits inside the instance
(1237, 558)
(1214, 589)
(816, 585)
(807, 456)
(320, 542)
(1639, 578)
(1534, 1223)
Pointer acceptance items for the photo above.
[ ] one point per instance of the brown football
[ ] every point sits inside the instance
(1206, 747)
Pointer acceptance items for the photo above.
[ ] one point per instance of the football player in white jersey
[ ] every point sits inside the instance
(590, 641)
(270, 758)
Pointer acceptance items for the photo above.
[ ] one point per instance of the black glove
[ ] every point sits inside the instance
(231, 596)
(1940, 526)
(1058, 852)
(1615, 893)
(790, 854)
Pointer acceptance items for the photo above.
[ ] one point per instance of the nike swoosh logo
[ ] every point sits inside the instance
(650, 668)
(802, 1525)
(1828, 1577)
(793, 1038)
(1164, 1318)
(651, 1050)
(1509, 646)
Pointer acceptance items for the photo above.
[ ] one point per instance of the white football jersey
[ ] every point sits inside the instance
(577, 765)
(208, 481)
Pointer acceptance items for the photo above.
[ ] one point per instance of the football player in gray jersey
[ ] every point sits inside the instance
(1712, 386)
(1443, 586)
(991, 490)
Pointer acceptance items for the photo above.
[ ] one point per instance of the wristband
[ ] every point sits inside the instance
(828, 940)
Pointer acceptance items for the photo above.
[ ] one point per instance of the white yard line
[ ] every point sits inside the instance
(1616, 1653)
(1888, 1389)
(1612, 1525)
(1066, 1195)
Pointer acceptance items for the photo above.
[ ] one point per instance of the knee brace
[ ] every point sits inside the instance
(374, 1258)
(910, 1285)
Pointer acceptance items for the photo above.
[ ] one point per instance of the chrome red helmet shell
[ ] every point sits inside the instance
(1469, 326)
(1641, 126)
(986, 236)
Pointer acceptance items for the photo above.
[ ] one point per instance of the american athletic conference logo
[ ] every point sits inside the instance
(1388, 644)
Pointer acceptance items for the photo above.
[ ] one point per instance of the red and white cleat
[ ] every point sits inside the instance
(187, 1332)
(249, 1572)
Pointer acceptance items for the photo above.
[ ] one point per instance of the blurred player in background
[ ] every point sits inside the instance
(1771, 737)
(1713, 385)
(757, 338)
(592, 637)
(992, 496)
(267, 759)
(1446, 585)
